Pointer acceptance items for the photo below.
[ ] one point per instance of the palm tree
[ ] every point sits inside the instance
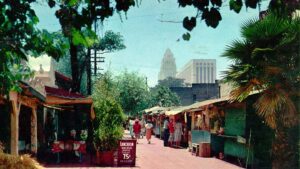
(267, 59)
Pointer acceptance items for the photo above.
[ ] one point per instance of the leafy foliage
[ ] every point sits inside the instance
(80, 33)
(134, 94)
(171, 82)
(163, 96)
(20, 38)
(110, 42)
(236, 5)
(189, 24)
(186, 36)
(109, 119)
(267, 60)
(209, 10)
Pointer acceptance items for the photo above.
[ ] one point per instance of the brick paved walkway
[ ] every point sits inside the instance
(155, 156)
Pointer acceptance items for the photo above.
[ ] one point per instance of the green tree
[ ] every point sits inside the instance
(163, 96)
(76, 18)
(110, 42)
(108, 124)
(267, 59)
(134, 94)
(19, 39)
(172, 82)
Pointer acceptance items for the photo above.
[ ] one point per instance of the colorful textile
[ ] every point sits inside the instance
(178, 132)
(171, 127)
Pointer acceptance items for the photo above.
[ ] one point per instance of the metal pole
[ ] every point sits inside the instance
(95, 51)
(89, 72)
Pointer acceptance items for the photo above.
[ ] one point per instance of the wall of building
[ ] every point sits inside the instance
(225, 89)
(199, 71)
(196, 93)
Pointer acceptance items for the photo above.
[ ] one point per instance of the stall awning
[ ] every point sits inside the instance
(155, 110)
(195, 107)
(151, 109)
(176, 110)
(61, 96)
(207, 102)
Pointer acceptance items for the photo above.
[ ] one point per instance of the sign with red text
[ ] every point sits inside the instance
(126, 153)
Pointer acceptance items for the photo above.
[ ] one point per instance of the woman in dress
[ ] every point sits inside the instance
(137, 129)
(177, 133)
(148, 127)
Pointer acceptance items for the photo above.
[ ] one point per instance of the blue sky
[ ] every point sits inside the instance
(146, 38)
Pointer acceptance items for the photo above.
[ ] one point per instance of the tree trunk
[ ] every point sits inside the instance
(75, 68)
(283, 149)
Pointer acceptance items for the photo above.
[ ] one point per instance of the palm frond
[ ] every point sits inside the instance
(238, 50)
(276, 105)
(237, 72)
(289, 114)
(240, 93)
(261, 53)
(273, 70)
(263, 31)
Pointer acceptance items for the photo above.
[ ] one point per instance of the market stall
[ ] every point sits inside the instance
(156, 114)
(179, 114)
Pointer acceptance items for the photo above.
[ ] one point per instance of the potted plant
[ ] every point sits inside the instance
(108, 124)
(108, 130)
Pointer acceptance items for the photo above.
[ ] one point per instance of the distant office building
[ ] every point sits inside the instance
(168, 66)
(197, 92)
(199, 71)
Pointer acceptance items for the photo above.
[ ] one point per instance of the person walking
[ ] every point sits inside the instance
(166, 131)
(149, 127)
(143, 129)
(177, 133)
(131, 123)
(171, 130)
(137, 129)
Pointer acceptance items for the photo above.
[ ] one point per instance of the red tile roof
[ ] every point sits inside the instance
(62, 93)
(62, 76)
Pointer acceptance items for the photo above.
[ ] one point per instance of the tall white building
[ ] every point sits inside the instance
(198, 71)
(168, 66)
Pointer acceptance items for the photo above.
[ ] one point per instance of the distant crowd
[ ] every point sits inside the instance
(139, 128)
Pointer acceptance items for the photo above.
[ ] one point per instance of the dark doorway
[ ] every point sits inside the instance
(24, 129)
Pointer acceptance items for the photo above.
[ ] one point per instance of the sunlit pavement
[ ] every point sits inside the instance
(156, 156)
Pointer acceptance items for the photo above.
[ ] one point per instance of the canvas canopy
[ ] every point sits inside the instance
(176, 110)
(207, 102)
(155, 110)
(196, 106)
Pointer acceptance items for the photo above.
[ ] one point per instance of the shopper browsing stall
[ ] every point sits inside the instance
(171, 130)
(177, 133)
(166, 131)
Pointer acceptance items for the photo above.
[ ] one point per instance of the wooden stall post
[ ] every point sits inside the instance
(193, 121)
(192, 128)
(33, 125)
(14, 123)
